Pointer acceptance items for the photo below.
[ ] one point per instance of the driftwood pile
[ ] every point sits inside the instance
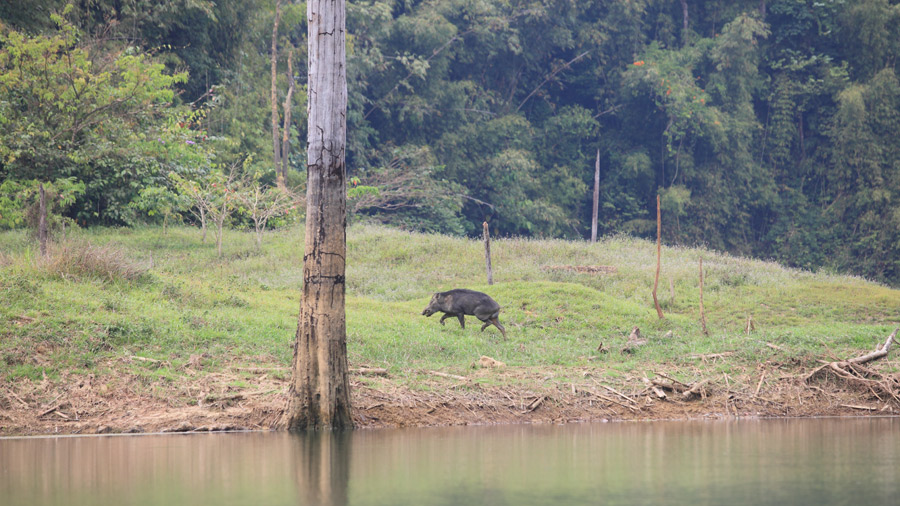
(661, 384)
(883, 387)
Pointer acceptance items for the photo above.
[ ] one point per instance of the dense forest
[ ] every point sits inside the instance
(768, 127)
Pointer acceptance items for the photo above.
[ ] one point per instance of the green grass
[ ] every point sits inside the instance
(58, 318)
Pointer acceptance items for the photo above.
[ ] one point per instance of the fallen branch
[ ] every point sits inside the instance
(759, 385)
(851, 370)
(864, 408)
(16, 397)
(708, 356)
(582, 269)
(51, 410)
(613, 390)
(534, 404)
(673, 380)
(449, 376)
(673, 385)
(373, 371)
(696, 389)
(609, 399)
(880, 352)
(654, 388)
(144, 359)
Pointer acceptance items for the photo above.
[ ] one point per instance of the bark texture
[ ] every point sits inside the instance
(319, 395)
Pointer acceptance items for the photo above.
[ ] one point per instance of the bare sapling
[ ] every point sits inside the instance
(262, 202)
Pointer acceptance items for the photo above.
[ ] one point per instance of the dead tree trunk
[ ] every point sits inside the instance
(487, 254)
(42, 221)
(658, 258)
(276, 143)
(319, 395)
(596, 198)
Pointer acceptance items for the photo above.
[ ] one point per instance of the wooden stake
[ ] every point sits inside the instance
(702, 316)
(596, 198)
(487, 254)
(658, 256)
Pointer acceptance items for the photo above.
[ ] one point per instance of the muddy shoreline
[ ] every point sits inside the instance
(121, 404)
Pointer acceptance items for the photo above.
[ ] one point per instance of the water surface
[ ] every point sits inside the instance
(822, 462)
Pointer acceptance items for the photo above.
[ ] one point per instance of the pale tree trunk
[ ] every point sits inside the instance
(42, 221)
(286, 130)
(596, 206)
(276, 147)
(319, 395)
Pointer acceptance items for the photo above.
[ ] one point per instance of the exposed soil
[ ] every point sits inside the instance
(253, 399)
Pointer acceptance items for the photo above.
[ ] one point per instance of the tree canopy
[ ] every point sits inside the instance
(768, 127)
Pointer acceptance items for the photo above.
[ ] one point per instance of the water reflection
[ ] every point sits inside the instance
(747, 462)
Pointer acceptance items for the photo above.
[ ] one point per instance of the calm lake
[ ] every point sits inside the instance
(820, 462)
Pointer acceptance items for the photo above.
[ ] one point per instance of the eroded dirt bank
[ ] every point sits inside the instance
(215, 401)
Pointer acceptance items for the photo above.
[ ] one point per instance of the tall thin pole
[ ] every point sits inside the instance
(702, 315)
(487, 254)
(658, 256)
(596, 198)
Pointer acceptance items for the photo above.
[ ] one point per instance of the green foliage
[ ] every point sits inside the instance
(68, 112)
(160, 201)
(764, 126)
(20, 202)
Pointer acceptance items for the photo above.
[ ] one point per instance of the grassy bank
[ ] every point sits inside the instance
(110, 294)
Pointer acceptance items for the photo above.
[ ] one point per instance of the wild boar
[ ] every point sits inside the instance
(460, 302)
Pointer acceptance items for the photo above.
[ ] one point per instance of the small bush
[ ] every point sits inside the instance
(79, 260)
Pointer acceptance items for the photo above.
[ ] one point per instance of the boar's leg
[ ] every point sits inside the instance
(495, 322)
(462, 319)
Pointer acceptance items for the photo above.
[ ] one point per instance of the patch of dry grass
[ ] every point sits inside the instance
(81, 260)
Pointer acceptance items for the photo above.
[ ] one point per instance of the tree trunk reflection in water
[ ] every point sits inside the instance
(322, 469)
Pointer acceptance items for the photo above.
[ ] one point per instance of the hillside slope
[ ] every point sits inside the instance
(130, 329)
